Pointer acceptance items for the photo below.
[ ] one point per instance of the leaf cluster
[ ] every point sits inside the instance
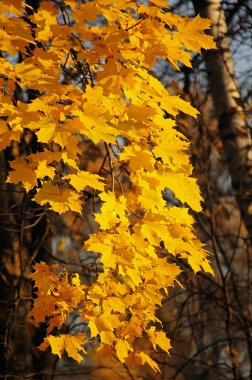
(90, 66)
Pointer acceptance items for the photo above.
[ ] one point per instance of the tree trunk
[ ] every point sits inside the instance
(234, 131)
(22, 232)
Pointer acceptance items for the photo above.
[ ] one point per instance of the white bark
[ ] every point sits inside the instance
(235, 133)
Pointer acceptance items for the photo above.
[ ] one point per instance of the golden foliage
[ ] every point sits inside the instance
(108, 91)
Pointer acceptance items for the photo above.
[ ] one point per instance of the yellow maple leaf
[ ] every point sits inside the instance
(122, 348)
(192, 33)
(7, 137)
(60, 200)
(113, 211)
(159, 338)
(23, 172)
(71, 343)
(138, 158)
(107, 337)
(44, 277)
(104, 322)
(102, 244)
(83, 179)
(43, 170)
(146, 359)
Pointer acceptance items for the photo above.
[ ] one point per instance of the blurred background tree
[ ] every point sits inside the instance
(217, 312)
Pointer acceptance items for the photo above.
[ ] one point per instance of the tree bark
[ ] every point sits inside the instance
(234, 131)
(22, 233)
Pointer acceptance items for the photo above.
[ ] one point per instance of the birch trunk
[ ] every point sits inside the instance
(234, 131)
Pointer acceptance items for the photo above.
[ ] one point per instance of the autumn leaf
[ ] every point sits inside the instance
(71, 343)
(83, 179)
(61, 200)
(122, 348)
(113, 211)
(158, 338)
(192, 33)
